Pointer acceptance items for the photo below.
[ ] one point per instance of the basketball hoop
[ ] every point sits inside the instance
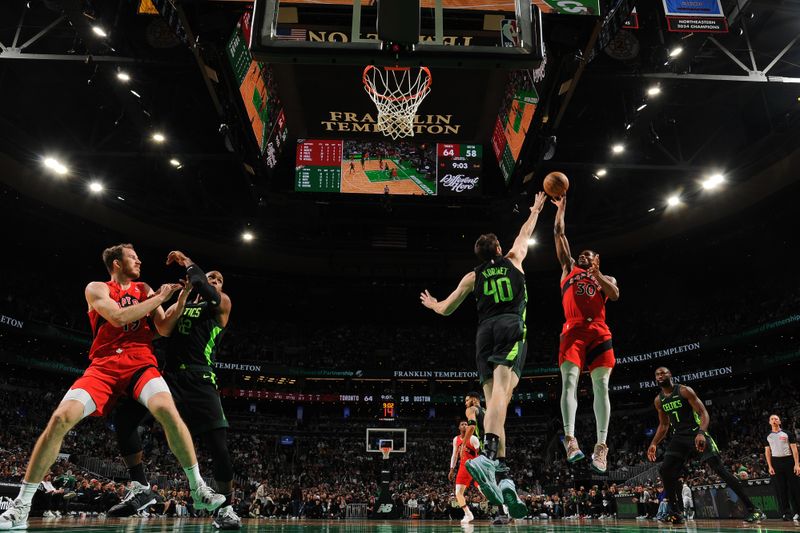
(386, 450)
(397, 94)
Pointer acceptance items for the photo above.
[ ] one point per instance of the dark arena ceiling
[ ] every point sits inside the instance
(729, 104)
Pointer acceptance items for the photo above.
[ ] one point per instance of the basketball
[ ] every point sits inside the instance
(556, 184)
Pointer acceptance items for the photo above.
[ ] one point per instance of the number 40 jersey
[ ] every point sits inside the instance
(499, 289)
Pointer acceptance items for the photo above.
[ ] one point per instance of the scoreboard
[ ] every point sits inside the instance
(459, 168)
(318, 167)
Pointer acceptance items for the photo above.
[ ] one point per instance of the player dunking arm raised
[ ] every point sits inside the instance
(122, 362)
(679, 407)
(498, 285)
(585, 340)
(195, 330)
(464, 448)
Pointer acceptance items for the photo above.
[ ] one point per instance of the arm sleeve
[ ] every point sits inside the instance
(200, 283)
(454, 457)
(476, 443)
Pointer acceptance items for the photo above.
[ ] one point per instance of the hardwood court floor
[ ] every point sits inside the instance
(193, 525)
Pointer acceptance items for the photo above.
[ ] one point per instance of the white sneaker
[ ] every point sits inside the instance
(227, 519)
(468, 517)
(599, 458)
(574, 452)
(16, 517)
(206, 499)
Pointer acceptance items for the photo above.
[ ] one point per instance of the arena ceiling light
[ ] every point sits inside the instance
(158, 137)
(99, 31)
(673, 200)
(123, 76)
(175, 163)
(676, 51)
(641, 107)
(532, 241)
(618, 148)
(134, 93)
(714, 181)
(601, 172)
(248, 237)
(96, 187)
(56, 166)
(655, 90)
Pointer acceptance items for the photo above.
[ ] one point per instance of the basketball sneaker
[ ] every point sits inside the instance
(756, 515)
(502, 519)
(673, 518)
(206, 499)
(574, 453)
(482, 469)
(138, 498)
(468, 517)
(227, 519)
(16, 517)
(599, 458)
(516, 507)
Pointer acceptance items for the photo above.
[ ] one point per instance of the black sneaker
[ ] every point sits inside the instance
(502, 519)
(673, 518)
(138, 498)
(756, 515)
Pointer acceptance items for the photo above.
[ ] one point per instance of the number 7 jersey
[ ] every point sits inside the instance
(499, 289)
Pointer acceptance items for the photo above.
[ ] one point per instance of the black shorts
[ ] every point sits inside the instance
(682, 446)
(500, 341)
(197, 399)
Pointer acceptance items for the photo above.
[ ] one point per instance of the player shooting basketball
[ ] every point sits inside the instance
(585, 339)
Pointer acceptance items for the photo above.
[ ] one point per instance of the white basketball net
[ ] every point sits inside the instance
(397, 93)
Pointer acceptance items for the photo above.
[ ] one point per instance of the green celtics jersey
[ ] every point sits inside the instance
(499, 289)
(196, 337)
(682, 418)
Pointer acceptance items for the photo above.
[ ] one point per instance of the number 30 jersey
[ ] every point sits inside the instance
(499, 289)
(582, 298)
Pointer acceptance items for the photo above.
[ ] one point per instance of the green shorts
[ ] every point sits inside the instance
(500, 340)
(197, 399)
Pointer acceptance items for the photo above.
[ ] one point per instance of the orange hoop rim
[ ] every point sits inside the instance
(427, 86)
(386, 450)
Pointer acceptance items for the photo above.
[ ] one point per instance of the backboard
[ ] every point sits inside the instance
(452, 33)
(378, 437)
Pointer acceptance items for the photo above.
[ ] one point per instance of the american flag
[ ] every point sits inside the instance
(291, 34)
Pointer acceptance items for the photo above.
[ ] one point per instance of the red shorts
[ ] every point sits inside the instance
(110, 377)
(586, 344)
(463, 477)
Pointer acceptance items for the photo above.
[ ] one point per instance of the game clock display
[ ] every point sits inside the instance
(382, 167)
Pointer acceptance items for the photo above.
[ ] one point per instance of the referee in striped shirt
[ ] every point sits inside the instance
(784, 467)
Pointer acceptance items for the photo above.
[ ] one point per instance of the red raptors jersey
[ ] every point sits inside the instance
(470, 450)
(582, 298)
(133, 337)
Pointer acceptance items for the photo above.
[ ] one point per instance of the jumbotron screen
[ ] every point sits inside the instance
(380, 167)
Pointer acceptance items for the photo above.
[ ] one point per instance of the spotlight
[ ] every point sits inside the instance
(641, 107)
(655, 90)
(56, 166)
(651, 209)
(674, 200)
(601, 172)
(159, 137)
(96, 187)
(618, 148)
(123, 76)
(175, 163)
(675, 52)
(134, 93)
(532, 241)
(713, 181)
(99, 31)
(247, 236)
(628, 126)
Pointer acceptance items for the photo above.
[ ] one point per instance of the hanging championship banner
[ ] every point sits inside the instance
(695, 16)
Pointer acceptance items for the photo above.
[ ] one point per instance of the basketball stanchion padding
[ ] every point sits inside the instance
(397, 93)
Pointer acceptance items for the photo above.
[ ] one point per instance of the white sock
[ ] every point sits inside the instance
(193, 473)
(602, 405)
(27, 491)
(570, 373)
